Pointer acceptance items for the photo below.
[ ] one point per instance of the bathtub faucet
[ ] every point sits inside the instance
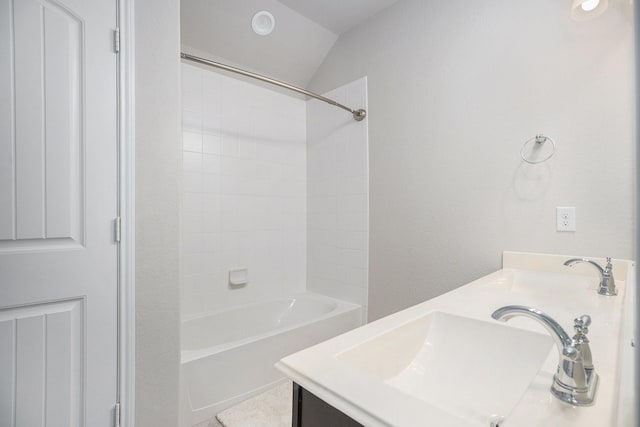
(607, 282)
(575, 381)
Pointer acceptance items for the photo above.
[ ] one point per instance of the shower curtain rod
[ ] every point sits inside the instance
(358, 115)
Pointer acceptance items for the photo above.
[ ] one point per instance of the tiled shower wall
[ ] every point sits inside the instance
(273, 184)
(338, 201)
(244, 198)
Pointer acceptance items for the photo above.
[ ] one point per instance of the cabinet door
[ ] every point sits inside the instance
(311, 411)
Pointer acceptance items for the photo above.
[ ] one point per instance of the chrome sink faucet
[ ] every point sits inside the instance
(607, 282)
(575, 381)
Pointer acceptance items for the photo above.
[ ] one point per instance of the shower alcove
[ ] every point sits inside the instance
(276, 187)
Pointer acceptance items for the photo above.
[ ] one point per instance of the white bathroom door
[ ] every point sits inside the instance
(58, 201)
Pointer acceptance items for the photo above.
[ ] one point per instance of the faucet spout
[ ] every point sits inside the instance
(573, 382)
(573, 261)
(559, 335)
(607, 285)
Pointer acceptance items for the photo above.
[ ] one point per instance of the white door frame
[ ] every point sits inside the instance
(126, 279)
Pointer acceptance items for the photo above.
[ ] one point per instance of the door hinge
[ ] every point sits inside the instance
(116, 40)
(116, 415)
(117, 229)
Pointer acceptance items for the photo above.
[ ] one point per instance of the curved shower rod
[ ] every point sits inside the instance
(358, 115)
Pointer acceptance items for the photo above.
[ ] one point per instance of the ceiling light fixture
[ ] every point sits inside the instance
(589, 5)
(263, 23)
(581, 10)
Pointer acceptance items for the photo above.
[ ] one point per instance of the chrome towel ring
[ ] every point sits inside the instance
(538, 141)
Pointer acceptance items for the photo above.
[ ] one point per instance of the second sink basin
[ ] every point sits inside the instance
(542, 283)
(476, 370)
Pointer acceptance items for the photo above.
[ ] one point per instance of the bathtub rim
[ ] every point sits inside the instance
(342, 306)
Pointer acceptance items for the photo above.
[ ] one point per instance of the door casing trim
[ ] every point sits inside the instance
(126, 257)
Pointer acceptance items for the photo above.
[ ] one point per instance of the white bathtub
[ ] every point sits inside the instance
(228, 356)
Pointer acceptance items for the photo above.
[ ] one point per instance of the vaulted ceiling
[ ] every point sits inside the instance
(304, 33)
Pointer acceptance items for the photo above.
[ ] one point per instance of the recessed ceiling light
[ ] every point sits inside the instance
(589, 5)
(263, 23)
(582, 10)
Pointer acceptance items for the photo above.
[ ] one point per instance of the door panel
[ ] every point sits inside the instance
(44, 354)
(58, 200)
(44, 175)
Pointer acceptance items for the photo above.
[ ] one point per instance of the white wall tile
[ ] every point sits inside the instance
(192, 141)
(246, 147)
(352, 203)
(212, 245)
(353, 185)
(192, 263)
(192, 243)
(211, 183)
(191, 79)
(211, 222)
(211, 203)
(352, 240)
(211, 164)
(192, 223)
(353, 257)
(192, 204)
(211, 143)
(229, 144)
(192, 182)
(244, 200)
(337, 202)
(191, 120)
(210, 121)
(351, 221)
(191, 162)
(192, 100)
(350, 293)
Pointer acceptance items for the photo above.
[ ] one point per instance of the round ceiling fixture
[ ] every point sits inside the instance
(263, 23)
(589, 5)
(582, 10)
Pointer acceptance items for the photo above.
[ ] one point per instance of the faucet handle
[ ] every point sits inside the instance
(581, 342)
(608, 267)
(581, 324)
(608, 283)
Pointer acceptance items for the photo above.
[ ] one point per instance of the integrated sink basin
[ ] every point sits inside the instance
(446, 362)
(473, 369)
(541, 283)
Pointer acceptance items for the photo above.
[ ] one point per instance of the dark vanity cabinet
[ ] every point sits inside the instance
(311, 411)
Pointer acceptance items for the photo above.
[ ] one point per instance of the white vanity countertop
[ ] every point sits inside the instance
(535, 280)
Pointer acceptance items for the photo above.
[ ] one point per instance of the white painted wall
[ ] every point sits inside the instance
(244, 191)
(338, 196)
(455, 88)
(157, 97)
